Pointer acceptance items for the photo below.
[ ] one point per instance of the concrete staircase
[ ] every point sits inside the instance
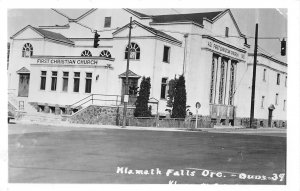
(26, 113)
(42, 118)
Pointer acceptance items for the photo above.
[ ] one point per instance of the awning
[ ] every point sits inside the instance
(23, 70)
(130, 75)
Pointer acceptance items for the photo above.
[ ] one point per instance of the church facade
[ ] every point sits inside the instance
(58, 66)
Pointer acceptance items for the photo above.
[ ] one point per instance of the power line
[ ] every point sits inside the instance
(264, 50)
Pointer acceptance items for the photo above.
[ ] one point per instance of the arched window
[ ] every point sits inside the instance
(86, 53)
(27, 50)
(134, 51)
(105, 53)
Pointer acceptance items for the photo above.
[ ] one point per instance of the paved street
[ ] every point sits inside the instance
(51, 154)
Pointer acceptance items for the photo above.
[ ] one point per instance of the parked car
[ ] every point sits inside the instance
(10, 116)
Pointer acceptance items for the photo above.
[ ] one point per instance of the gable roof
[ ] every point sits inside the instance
(194, 17)
(47, 34)
(232, 17)
(151, 30)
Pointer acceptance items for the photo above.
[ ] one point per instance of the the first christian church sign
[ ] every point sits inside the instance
(59, 60)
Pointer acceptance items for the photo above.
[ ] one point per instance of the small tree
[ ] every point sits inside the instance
(171, 92)
(179, 106)
(142, 109)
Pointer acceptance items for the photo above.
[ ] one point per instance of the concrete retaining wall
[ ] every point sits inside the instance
(102, 115)
(260, 123)
(203, 122)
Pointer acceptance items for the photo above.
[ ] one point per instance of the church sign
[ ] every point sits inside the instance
(64, 61)
(70, 60)
(223, 49)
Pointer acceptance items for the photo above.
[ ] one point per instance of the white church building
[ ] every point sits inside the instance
(58, 66)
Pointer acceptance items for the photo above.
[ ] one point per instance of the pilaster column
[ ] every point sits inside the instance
(227, 83)
(217, 81)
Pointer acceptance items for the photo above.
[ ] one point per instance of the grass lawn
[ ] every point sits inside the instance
(94, 155)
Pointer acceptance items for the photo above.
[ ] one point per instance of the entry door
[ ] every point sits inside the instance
(23, 85)
(270, 118)
(132, 88)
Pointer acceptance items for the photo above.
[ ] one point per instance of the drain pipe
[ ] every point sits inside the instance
(184, 54)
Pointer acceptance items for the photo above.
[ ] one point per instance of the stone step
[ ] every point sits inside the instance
(41, 117)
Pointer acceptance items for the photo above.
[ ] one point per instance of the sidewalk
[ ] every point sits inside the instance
(72, 126)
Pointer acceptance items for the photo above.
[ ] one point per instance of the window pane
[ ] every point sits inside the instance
(107, 21)
(66, 74)
(88, 85)
(77, 74)
(221, 86)
(163, 91)
(88, 75)
(76, 84)
(65, 84)
(226, 31)
(163, 88)
(53, 83)
(43, 83)
(166, 54)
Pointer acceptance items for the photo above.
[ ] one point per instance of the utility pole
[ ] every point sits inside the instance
(254, 78)
(126, 94)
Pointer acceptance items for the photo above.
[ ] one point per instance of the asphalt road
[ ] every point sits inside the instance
(45, 154)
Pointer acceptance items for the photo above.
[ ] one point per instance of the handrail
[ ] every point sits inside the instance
(82, 104)
(117, 100)
(81, 100)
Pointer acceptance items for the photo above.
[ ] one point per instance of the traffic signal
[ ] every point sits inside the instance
(283, 47)
(96, 40)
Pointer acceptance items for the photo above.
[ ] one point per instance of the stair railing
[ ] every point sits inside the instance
(116, 99)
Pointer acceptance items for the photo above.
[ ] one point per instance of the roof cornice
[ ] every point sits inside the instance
(147, 28)
(177, 22)
(269, 58)
(135, 14)
(231, 15)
